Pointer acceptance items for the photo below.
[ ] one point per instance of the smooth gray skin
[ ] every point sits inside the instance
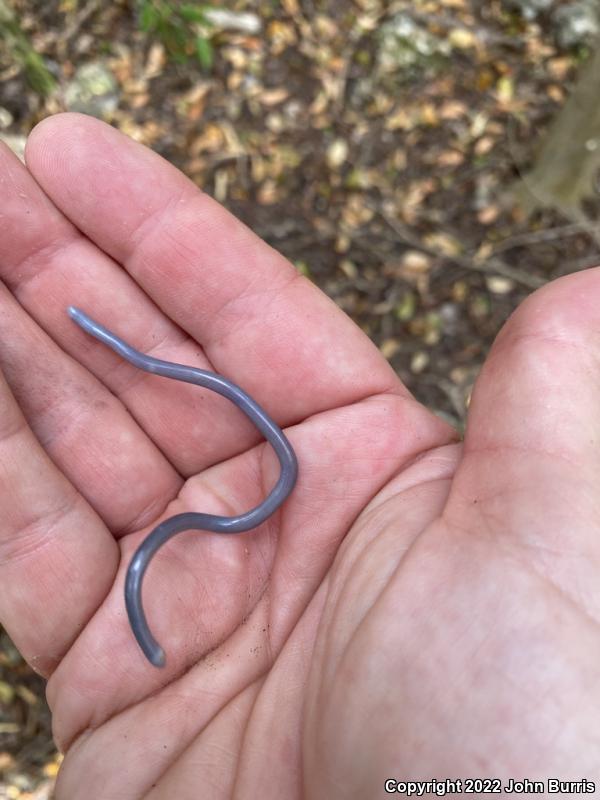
(191, 520)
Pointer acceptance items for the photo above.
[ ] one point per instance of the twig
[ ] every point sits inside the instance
(492, 266)
(484, 34)
(342, 81)
(347, 57)
(72, 29)
(533, 237)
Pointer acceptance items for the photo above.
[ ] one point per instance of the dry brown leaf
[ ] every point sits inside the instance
(234, 80)
(485, 79)
(380, 104)
(453, 109)
(337, 153)
(400, 159)
(450, 158)
(414, 268)
(196, 167)
(488, 215)
(537, 49)
(235, 56)
(460, 375)
(389, 347)
(139, 100)
(275, 122)
(415, 262)
(193, 102)
(443, 242)
(281, 35)
(429, 115)
(153, 131)
(556, 93)
(349, 268)
(362, 178)
(505, 89)
(356, 212)
(374, 6)
(232, 141)
(342, 243)
(495, 128)
(135, 85)
(419, 362)
(399, 120)
(132, 128)
(382, 308)
(443, 86)
(268, 193)
(484, 145)
(460, 291)
(51, 768)
(410, 200)
(462, 38)
(291, 7)
(478, 125)
(368, 22)
(210, 140)
(156, 60)
(221, 185)
(122, 65)
(271, 97)
(325, 27)
(258, 168)
(559, 67)
(319, 104)
(497, 284)
(253, 44)
(484, 251)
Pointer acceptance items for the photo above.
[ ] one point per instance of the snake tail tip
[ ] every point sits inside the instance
(157, 658)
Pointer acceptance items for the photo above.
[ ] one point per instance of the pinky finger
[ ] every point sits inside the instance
(57, 558)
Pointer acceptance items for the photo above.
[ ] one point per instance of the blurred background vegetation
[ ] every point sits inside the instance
(427, 163)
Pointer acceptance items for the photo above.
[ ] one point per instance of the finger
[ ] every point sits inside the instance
(260, 323)
(86, 431)
(48, 265)
(57, 559)
(528, 481)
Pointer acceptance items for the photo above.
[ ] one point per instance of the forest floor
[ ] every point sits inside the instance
(374, 143)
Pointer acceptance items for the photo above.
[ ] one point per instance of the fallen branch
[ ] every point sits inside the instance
(545, 235)
(62, 39)
(491, 266)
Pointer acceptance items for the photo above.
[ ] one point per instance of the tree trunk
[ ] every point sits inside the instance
(568, 165)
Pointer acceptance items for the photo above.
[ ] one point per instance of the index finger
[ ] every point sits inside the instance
(259, 321)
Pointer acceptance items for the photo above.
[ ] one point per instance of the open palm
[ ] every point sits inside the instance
(418, 608)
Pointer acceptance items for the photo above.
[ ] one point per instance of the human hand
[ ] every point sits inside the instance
(418, 608)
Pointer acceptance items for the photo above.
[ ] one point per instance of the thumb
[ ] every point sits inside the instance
(531, 462)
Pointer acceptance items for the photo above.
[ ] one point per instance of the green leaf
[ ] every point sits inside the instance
(192, 13)
(37, 75)
(205, 52)
(149, 16)
(179, 41)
